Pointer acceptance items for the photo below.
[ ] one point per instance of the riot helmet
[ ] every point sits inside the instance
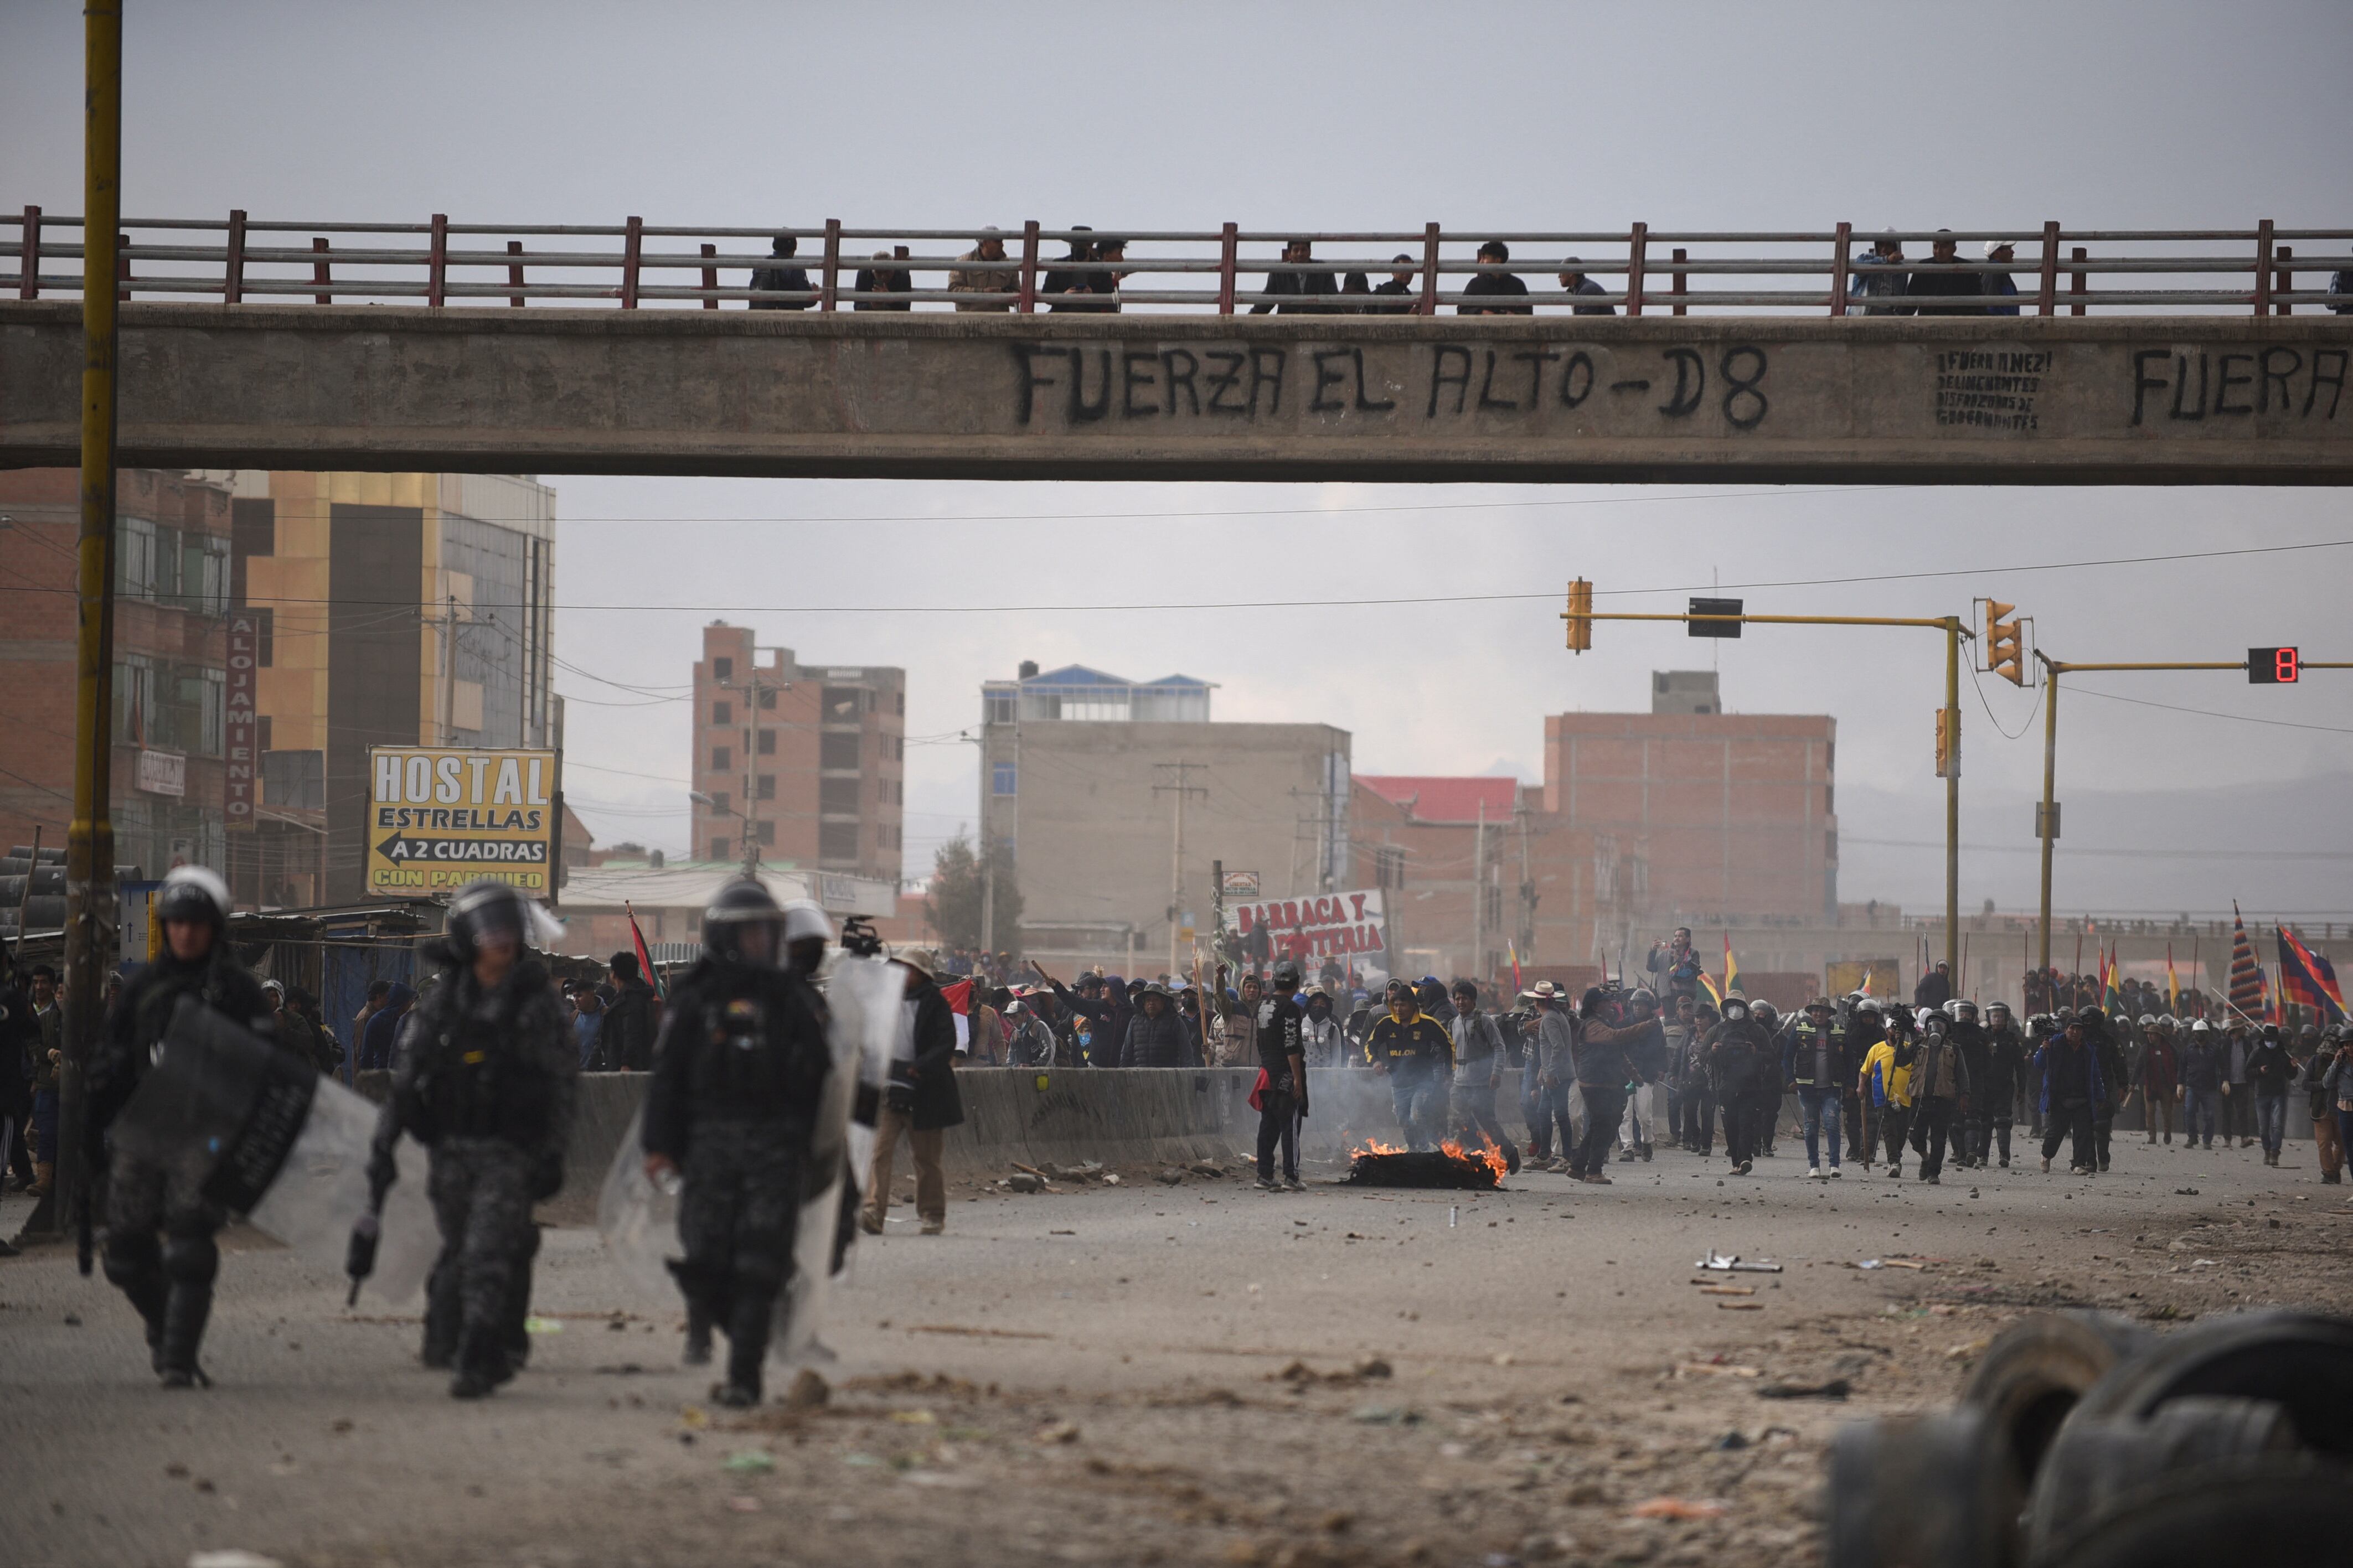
(744, 924)
(193, 895)
(1869, 1005)
(1932, 1022)
(1961, 1010)
(1998, 1014)
(485, 914)
(807, 930)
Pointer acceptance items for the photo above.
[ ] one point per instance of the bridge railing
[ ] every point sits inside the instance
(1635, 271)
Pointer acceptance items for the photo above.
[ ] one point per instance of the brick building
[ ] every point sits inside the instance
(1738, 810)
(810, 760)
(171, 664)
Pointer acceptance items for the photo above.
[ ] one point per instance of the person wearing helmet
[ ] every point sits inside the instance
(2005, 1070)
(1479, 1061)
(1940, 1080)
(808, 930)
(2073, 1087)
(1687, 1079)
(2205, 1078)
(1887, 1087)
(1281, 1092)
(2270, 1072)
(160, 1226)
(2155, 1075)
(485, 1079)
(1649, 1054)
(2103, 1039)
(1971, 1127)
(1815, 1063)
(921, 1101)
(738, 1077)
(1740, 1054)
(1413, 1049)
(1866, 1026)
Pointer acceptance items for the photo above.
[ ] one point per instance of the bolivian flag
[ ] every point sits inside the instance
(1731, 969)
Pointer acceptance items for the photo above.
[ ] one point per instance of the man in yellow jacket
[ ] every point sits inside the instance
(1885, 1085)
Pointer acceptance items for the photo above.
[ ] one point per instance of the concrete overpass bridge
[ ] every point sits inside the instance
(1785, 364)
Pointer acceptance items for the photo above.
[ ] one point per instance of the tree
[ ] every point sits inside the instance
(955, 901)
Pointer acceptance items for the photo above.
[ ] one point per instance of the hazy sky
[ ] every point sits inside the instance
(1561, 116)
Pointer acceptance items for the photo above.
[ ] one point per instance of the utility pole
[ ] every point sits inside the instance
(448, 703)
(1479, 897)
(2261, 666)
(1182, 789)
(90, 839)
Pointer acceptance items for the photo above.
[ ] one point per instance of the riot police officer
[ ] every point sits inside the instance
(485, 1081)
(170, 1280)
(738, 1075)
(1997, 1095)
(1972, 1127)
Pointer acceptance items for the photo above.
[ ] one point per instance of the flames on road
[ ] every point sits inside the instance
(1377, 1163)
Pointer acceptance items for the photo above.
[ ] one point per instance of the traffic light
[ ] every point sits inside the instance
(2005, 643)
(1948, 742)
(1580, 615)
(1730, 628)
(2273, 667)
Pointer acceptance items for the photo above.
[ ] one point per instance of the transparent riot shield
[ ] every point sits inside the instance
(639, 1221)
(266, 1136)
(862, 998)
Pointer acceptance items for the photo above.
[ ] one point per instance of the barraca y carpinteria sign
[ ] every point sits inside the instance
(442, 816)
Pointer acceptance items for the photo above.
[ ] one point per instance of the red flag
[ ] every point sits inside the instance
(959, 996)
(645, 959)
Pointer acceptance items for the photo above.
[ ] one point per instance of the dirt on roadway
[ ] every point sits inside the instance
(1149, 1373)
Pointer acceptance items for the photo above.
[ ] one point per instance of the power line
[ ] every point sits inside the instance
(1167, 605)
(2210, 713)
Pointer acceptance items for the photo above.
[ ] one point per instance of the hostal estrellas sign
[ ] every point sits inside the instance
(442, 816)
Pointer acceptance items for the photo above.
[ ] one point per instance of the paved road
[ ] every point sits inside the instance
(1098, 1376)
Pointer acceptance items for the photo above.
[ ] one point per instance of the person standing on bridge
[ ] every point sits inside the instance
(1941, 278)
(1880, 276)
(1309, 288)
(2000, 283)
(1494, 286)
(1068, 278)
(1573, 279)
(1396, 297)
(780, 277)
(881, 279)
(985, 272)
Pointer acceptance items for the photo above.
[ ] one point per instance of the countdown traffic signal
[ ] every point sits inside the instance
(2273, 666)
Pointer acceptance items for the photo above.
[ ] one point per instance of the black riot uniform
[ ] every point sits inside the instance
(2005, 1074)
(1973, 1127)
(485, 1079)
(738, 1076)
(170, 1280)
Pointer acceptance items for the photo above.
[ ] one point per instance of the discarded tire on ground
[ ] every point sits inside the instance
(1937, 1491)
(2035, 1371)
(2233, 1440)
(2301, 1360)
(2238, 1513)
(2110, 1463)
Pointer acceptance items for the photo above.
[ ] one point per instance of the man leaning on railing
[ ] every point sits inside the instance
(985, 272)
(781, 277)
(1880, 276)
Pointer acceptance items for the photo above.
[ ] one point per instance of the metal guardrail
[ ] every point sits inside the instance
(239, 259)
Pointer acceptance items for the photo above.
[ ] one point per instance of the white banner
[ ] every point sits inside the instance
(1325, 925)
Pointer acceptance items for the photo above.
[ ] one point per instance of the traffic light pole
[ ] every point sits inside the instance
(2048, 828)
(1949, 722)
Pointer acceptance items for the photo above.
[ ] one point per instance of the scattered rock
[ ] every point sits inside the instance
(1384, 1416)
(1836, 1388)
(1059, 1432)
(808, 1390)
(1023, 1182)
(73, 1321)
(1372, 1366)
(1169, 1178)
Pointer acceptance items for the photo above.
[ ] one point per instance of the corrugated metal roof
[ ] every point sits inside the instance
(1432, 798)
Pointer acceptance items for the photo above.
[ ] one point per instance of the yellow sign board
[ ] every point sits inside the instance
(442, 816)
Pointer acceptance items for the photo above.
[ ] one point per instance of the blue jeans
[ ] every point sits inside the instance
(1421, 1094)
(2271, 1121)
(1820, 1105)
(2199, 1108)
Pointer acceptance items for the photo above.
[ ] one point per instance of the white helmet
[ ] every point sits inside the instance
(1926, 1016)
(806, 918)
